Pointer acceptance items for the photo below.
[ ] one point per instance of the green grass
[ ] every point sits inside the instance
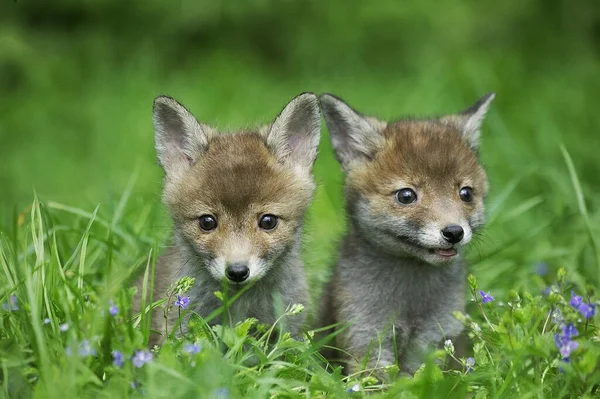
(77, 83)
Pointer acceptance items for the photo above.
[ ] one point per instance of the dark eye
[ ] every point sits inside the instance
(207, 222)
(406, 196)
(466, 194)
(268, 222)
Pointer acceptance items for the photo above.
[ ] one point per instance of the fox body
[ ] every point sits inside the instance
(414, 197)
(237, 201)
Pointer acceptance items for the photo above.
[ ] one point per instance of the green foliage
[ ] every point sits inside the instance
(77, 81)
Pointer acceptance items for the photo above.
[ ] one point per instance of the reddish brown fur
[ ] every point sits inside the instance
(427, 155)
(238, 180)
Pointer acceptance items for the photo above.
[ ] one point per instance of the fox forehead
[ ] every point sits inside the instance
(421, 153)
(237, 175)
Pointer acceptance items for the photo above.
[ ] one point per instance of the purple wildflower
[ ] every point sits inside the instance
(563, 340)
(576, 300)
(113, 309)
(141, 357)
(570, 331)
(567, 346)
(587, 310)
(63, 327)
(470, 363)
(222, 393)
(192, 349)
(46, 321)
(84, 349)
(12, 304)
(485, 298)
(118, 359)
(182, 301)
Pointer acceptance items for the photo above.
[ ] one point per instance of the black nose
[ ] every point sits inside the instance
(453, 233)
(237, 272)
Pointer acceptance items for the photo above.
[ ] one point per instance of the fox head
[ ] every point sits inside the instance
(237, 199)
(413, 187)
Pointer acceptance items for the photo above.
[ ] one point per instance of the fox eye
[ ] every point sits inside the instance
(268, 222)
(406, 196)
(207, 222)
(466, 194)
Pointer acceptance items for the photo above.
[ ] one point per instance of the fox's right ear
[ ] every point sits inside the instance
(178, 137)
(354, 137)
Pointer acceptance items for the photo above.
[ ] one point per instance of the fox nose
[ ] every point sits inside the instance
(237, 272)
(453, 233)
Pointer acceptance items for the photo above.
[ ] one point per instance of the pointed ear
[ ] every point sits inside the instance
(354, 137)
(178, 137)
(295, 133)
(469, 121)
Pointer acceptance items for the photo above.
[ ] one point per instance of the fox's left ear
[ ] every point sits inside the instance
(469, 121)
(294, 136)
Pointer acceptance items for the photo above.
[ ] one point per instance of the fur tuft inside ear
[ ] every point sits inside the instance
(354, 137)
(294, 135)
(179, 138)
(470, 120)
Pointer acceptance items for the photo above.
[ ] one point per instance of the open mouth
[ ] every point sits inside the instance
(443, 252)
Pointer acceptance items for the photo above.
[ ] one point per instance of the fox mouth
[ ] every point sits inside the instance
(443, 252)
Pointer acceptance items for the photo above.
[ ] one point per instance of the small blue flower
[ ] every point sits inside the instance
(570, 331)
(141, 357)
(182, 301)
(84, 349)
(575, 300)
(541, 269)
(12, 304)
(192, 349)
(63, 327)
(47, 321)
(557, 316)
(470, 363)
(222, 393)
(113, 309)
(485, 298)
(567, 347)
(354, 388)
(118, 359)
(68, 351)
(587, 310)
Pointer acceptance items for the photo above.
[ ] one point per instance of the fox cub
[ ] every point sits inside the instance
(415, 194)
(237, 201)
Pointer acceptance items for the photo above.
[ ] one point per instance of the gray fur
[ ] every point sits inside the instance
(353, 136)
(294, 136)
(271, 168)
(388, 281)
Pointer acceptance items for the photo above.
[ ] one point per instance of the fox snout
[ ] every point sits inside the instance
(237, 272)
(453, 233)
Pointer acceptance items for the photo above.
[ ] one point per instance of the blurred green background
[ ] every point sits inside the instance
(77, 80)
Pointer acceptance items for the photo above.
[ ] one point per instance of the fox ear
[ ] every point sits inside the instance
(354, 137)
(295, 133)
(469, 121)
(178, 137)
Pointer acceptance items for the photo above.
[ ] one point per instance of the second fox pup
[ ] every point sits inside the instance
(238, 202)
(414, 197)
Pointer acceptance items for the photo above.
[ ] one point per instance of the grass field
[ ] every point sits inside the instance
(80, 188)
